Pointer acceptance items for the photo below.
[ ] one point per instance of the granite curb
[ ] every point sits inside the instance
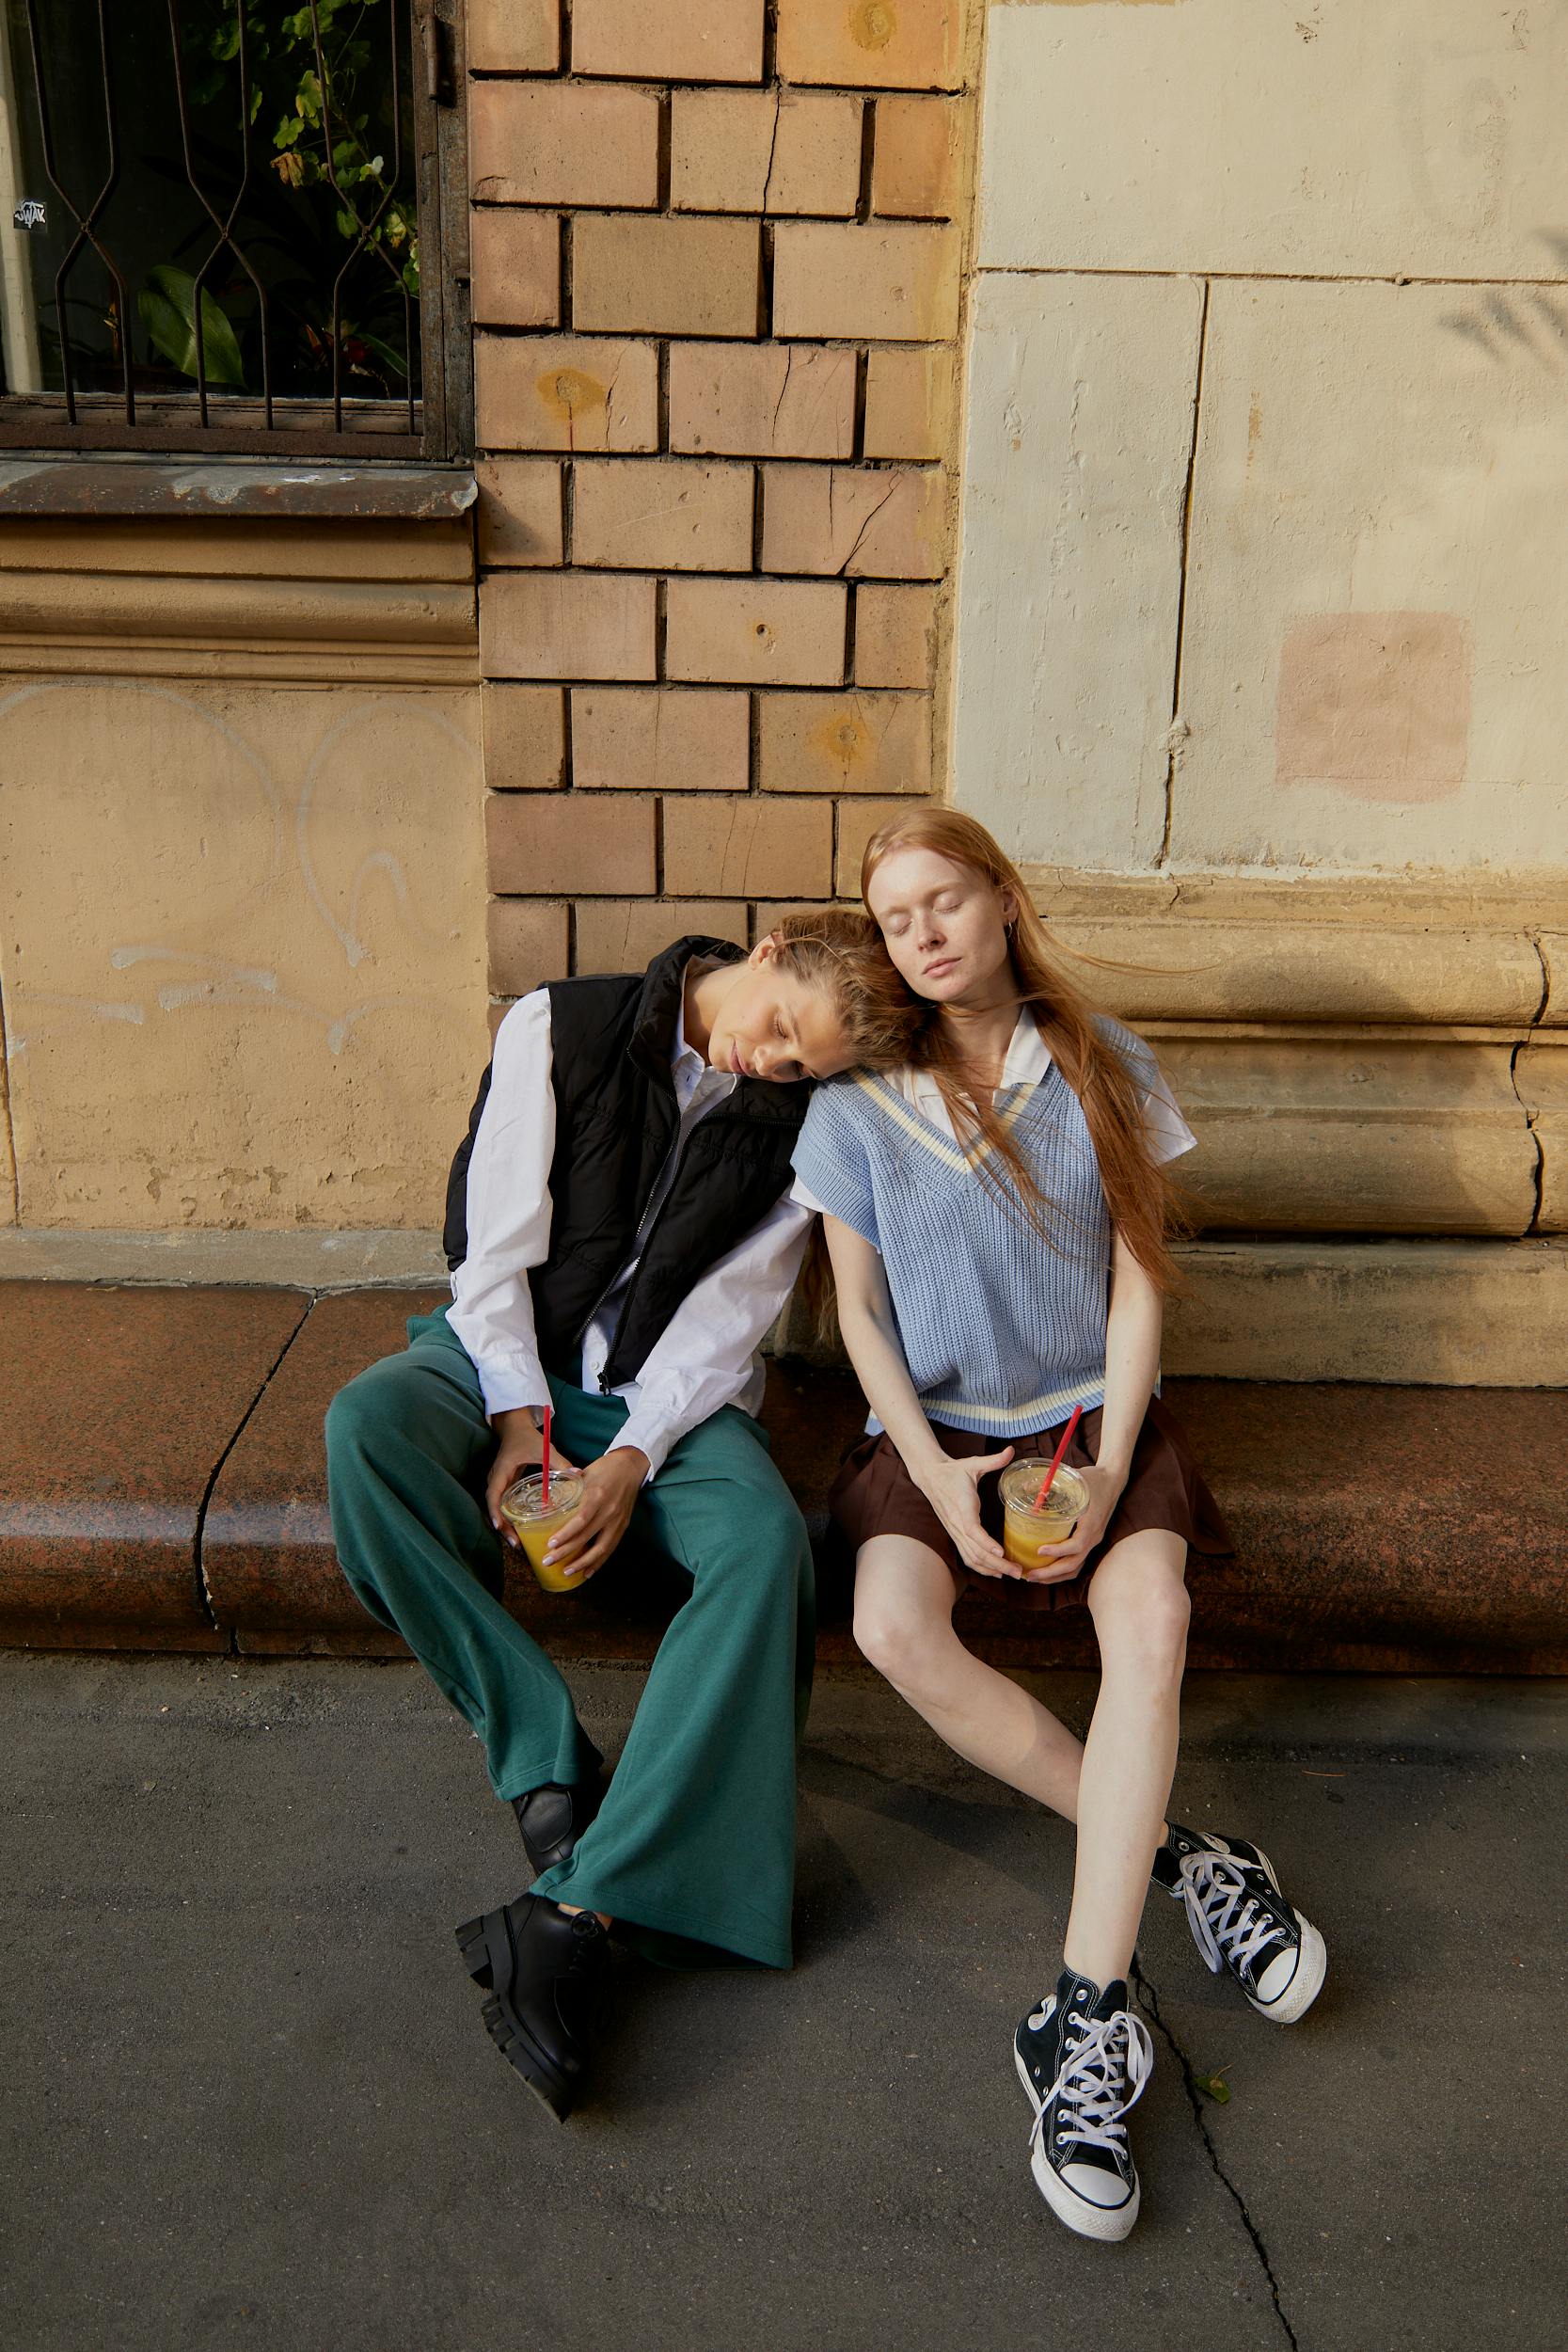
(161, 1487)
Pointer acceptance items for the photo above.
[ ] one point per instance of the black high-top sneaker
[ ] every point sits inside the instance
(1083, 2059)
(1241, 1921)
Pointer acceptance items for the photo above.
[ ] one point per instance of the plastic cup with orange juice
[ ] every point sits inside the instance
(523, 1506)
(1027, 1525)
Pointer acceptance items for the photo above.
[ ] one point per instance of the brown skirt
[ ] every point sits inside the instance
(875, 1495)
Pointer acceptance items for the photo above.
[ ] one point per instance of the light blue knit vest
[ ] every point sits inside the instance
(1003, 1333)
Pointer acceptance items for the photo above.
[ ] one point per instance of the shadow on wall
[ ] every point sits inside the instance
(1520, 322)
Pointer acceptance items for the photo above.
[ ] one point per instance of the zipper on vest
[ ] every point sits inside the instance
(606, 1385)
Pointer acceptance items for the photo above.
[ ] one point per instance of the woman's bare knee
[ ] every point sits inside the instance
(900, 1643)
(903, 1612)
(1141, 1613)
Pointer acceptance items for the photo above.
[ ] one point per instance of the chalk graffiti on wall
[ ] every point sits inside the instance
(246, 921)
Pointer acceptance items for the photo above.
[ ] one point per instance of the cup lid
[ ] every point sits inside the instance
(525, 1497)
(1020, 1483)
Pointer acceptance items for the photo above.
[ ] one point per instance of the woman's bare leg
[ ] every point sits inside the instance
(904, 1597)
(1138, 1600)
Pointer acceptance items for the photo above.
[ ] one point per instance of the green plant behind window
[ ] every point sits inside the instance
(336, 190)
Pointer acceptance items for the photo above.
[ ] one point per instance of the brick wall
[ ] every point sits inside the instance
(716, 278)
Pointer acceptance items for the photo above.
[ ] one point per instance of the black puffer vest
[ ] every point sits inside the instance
(616, 1123)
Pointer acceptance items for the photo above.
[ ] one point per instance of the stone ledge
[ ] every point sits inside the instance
(320, 489)
(149, 1435)
(115, 1408)
(378, 1258)
(1475, 1313)
(1425, 949)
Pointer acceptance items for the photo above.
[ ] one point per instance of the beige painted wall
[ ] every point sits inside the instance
(1077, 440)
(1372, 668)
(1261, 563)
(241, 952)
(1350, 137)
(1259, 622)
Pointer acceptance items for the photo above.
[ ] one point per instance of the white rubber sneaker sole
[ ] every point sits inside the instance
(1311, 1967)
(1107, 2223)
(1304, 1986)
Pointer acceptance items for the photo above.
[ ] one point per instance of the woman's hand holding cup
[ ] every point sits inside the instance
(1058, 1562)
(951, 1486)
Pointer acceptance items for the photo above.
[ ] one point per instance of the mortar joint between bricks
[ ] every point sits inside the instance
(665, 150)
(868, 142)
(764, 283)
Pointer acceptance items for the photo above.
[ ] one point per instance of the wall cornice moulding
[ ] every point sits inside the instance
(1430, 951)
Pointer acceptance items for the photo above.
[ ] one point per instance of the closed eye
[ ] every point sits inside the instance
(785, 1072)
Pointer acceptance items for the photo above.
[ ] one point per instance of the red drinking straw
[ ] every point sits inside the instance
(545, 1489)
(1057, 1458)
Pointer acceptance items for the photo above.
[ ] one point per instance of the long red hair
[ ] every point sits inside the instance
(1143, 1202)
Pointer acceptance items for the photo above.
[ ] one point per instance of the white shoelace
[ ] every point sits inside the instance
(1087, 2082)
(1228, 1923)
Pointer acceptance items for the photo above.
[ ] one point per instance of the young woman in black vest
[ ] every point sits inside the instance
(620, 1236)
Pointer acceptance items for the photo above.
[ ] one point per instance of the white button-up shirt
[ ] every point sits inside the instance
(707, 1355)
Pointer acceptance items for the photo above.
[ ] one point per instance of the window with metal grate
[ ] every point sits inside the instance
(234, 226)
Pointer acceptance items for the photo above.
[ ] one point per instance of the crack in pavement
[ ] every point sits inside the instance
(1149, 2000)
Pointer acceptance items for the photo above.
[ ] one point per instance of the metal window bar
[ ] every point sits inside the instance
(423, 182)
(367, 238)
(84, 232)
(223, 226)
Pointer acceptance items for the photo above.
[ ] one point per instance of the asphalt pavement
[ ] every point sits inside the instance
(248, 2100)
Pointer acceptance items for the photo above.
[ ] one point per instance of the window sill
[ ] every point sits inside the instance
(318, 489)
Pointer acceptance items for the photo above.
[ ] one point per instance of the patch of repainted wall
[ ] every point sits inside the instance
(242, 959)
(1376, 703)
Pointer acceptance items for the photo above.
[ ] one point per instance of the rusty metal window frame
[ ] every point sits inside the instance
(437, 423)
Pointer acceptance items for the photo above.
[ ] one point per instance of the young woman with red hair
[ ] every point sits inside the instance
(997, 1217)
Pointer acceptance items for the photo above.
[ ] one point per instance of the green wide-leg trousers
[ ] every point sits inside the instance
(696, 1836)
